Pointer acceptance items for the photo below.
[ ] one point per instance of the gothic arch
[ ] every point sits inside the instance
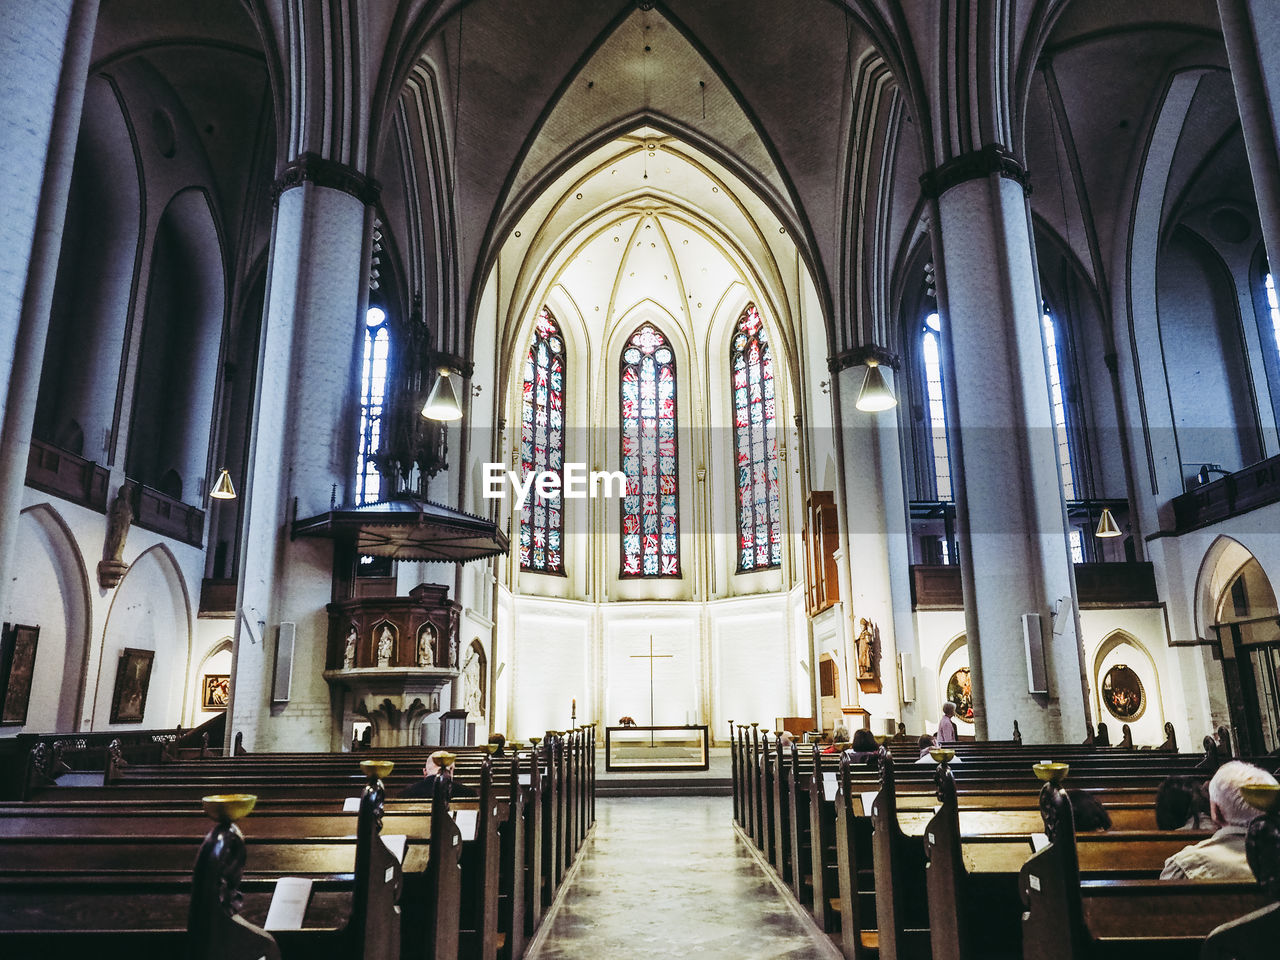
(53, 578)
(1222, 561)
(151, 610)
(1148, 724)
(176, 379)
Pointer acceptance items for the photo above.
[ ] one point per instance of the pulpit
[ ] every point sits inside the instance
(389, 658)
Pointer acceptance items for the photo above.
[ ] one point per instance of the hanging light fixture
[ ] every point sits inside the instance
(442, 403)
(1107, 527)
(222, 488)
(875, 393)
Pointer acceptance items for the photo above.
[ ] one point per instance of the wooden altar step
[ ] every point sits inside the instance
(670, 784)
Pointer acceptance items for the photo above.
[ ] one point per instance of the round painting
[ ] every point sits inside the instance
(960, 692)
(1122, 693)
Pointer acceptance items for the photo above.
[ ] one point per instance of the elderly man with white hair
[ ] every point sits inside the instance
(1222, 856)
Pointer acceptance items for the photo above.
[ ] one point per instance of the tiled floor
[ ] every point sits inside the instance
(668, 877)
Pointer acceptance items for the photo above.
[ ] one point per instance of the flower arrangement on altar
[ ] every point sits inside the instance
(626, 722)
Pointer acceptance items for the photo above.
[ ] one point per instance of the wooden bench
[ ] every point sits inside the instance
(135, 897)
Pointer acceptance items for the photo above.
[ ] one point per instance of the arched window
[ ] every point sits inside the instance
(650, 508)
(755, 435)
(542, 446)
(373, 385)
(1058, 404)
(937, 412)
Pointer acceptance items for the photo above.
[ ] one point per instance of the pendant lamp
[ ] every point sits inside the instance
(1107, 527)
(442, 403)
(875, 393)
(222, 488)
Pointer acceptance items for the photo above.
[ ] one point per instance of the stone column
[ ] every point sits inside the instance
(302, 449)
(44, 63)
(874, 512)
(1014, 552)
(1251, 31)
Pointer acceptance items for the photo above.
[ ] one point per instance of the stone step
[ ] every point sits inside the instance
(675, 786)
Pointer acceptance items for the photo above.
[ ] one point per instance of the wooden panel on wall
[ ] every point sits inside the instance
(821, 539)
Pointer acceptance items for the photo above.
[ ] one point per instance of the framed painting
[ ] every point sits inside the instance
(215, 691)
(17, 666)
(133, 676)
(960, 692)
(1123, 694)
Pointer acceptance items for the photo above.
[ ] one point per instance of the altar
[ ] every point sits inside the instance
(684, 747)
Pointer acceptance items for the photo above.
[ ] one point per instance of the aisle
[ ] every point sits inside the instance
(668, 877)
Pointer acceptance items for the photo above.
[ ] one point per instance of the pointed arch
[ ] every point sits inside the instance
(755, 444)
(57, 598)
(151, 610)
(650, 461)
(1224, 559)
(542, 445)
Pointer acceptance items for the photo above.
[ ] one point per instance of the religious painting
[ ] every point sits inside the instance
(133, 677)
(1122, 693)
(215, 691)
(17, 666)
(960, 692)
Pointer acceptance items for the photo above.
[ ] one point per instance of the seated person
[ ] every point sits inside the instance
(1222, 856)
(439, 764)
(863, 748)
(1090, 815)
(501, 741)
(1182, 803)
(927, 743)
(839, 737)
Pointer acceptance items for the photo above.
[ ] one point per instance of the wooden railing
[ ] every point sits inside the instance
(162, 514)
(1097, 584)
(63, 474)
(1224, 498)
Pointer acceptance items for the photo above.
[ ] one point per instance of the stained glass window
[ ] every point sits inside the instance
(650, 508)
(373, 386)
(1058, 405)
(1273, 305)
(542, 446)
(937, 410)
(756, 443)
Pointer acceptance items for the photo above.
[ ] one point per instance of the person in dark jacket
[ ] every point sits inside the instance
(439, 764)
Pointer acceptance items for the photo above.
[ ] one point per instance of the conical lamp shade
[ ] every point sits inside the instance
(442, 403)
(1107, 525)
(875, 393)
(222, 489)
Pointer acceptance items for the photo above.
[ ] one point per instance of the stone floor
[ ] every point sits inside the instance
(668, 877)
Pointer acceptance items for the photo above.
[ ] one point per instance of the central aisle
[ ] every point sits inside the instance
(667, 876)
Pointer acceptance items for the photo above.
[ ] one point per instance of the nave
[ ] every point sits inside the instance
(661, 871)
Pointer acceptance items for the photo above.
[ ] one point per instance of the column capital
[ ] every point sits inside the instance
(859, 355)
(974, 165)
(313, 168)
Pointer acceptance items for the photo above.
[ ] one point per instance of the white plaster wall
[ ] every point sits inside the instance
(1144, 650)
(211, 653)
(62, 565)
(747, 638)
(549, 665)
(936, 630)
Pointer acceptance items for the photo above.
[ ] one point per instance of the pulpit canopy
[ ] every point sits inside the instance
(409, 529)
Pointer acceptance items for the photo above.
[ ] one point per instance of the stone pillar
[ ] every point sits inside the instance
(874, 511)
(1014, 552)
(303, 448)
(1251, 31)
(44, 63)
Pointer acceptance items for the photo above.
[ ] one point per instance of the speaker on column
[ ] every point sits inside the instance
(284, 662)
(1033, 640)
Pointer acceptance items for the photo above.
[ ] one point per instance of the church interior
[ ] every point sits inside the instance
(390, 375)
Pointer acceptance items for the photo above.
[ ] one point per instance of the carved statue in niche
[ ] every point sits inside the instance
(386, 646)
(473, 679)
(349, 651)
(426, 645)
(866, 651)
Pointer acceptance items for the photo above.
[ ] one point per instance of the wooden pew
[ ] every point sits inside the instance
(1067, 917)
(151, 906)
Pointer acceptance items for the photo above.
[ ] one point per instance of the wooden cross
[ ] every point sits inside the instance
(651, 656)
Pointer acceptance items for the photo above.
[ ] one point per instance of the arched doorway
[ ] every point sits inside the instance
(1246, 627)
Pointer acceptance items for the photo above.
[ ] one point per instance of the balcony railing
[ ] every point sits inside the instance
(1097, 585)
(934, 543)
(63, 474)
(1224, 498)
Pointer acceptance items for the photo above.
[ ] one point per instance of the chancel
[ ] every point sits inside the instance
(770, 383)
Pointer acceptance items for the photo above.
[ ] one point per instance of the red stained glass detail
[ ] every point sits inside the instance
(648, 446)
(542, 440)
(759, 512)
